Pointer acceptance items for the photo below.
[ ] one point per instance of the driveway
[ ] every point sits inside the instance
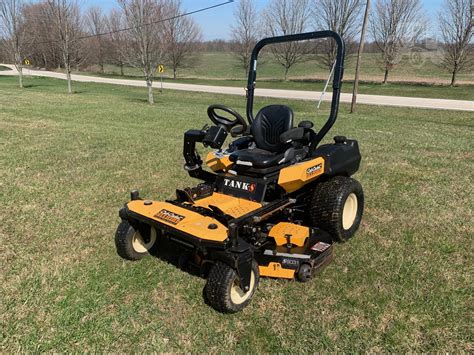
(416, 102)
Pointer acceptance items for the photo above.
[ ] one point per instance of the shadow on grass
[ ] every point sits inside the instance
(178, 256)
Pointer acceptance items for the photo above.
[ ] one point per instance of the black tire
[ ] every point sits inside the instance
(304, 273)
(328, 212)
(129, 242)
(220, 281)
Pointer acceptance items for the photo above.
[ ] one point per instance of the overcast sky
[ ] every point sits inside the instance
(216, 23)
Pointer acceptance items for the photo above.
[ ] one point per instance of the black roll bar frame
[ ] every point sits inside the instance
(337, 79)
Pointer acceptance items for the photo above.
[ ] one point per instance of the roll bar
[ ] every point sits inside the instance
(337, 80)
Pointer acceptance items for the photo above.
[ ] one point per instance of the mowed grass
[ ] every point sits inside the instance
(67, 163)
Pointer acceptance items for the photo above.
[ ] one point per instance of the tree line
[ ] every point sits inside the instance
(144, 33)
(394, 26)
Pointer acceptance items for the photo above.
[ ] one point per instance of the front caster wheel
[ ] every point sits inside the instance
(304, 273)
(134, 244)
(223, 291)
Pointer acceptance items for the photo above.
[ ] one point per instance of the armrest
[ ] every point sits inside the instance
(241, 143)
(292, 134)
(306, 124)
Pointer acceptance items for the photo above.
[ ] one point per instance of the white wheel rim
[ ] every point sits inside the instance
(237, 295)
(139, 244)
(349, 212)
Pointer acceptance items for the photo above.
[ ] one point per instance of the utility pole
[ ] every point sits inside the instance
(359, 57)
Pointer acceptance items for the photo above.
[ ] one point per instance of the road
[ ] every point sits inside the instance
(416, 102)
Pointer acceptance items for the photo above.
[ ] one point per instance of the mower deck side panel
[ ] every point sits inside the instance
(181, 219)
(296, 176)
(274, 269)
(233, 206)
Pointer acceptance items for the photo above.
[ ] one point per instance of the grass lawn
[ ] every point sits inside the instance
(67, 163)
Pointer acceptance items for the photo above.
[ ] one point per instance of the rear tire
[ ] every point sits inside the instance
(222, 291)
(130, 243)
(337, 206)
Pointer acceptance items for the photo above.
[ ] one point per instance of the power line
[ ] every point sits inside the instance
(146, 24)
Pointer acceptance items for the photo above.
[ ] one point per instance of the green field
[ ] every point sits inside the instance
(67, 163)
(224, 65)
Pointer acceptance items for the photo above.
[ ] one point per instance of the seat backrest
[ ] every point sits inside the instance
(270, 122)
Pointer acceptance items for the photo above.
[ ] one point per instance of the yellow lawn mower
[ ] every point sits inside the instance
(272, 203)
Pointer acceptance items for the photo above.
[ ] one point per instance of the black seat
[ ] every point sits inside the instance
(270, 122)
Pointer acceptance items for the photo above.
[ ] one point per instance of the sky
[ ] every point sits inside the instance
(215, 23)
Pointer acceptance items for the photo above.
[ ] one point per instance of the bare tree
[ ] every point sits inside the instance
(284, 17)
(181, 36)
(96, 24)
(144, 39)
(456, 26)
(359, 57)
(396, 24)
(12, 30)
(245, 32)
(115, 23)
(43, 50)
(343, 17)
(67, 22)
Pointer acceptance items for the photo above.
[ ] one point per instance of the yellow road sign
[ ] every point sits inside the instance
(27, 62)
(161, 68)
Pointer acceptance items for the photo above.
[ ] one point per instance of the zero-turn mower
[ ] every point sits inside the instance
(273, 205)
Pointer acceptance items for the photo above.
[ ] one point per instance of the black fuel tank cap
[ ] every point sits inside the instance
(340, 139)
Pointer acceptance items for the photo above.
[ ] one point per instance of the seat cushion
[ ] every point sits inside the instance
(270, 122)
(257, 158)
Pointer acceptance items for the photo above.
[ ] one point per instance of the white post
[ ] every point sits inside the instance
(326, 85)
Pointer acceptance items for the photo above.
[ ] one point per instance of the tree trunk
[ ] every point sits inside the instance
(286, 73)
(453, 77)
(385, 77)
(20, 75)
(102, 67)
(174, 73)
(68, 75)
(121, 69)
(359, 58)
(149, 83)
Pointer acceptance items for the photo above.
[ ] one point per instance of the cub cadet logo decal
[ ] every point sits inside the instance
(313, 170)
(169, 216)
(240, 185)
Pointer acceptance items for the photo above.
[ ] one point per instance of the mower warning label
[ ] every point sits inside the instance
(320, 246)
(169, 216)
